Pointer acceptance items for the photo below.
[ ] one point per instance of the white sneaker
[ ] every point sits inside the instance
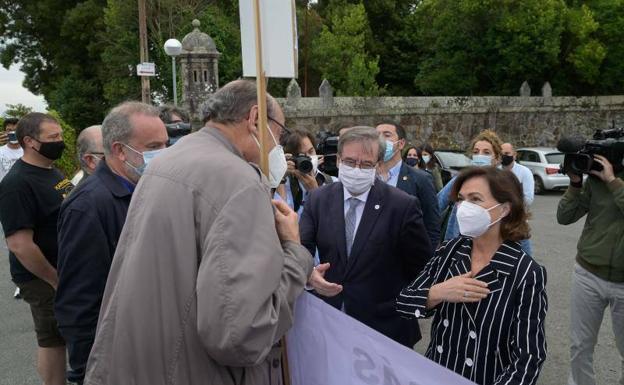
(17, 294)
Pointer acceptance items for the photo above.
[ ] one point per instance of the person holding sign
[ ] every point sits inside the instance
(487, 296)
(207, 270)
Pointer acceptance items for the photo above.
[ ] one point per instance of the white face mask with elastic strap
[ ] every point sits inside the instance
(474, 220)
(277, 162)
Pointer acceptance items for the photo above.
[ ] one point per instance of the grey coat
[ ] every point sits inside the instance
(200, 289)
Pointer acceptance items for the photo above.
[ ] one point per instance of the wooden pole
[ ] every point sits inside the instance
(264, 139)
(145, 82)
(261, 86)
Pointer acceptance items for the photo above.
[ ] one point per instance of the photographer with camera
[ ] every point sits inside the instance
(598, 278)
(303, 173)
(177, 122)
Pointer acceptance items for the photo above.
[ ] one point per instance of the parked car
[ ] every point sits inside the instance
(451, 162)
(545, 164)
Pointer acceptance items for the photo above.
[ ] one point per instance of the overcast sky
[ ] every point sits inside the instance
(12, 92)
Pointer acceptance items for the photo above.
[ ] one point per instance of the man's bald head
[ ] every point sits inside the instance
(508, 149)
(90, 148)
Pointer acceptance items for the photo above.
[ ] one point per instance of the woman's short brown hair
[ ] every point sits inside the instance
(490, 137)
(505, 188)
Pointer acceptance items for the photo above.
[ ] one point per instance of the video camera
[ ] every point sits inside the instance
(579, 153)
(328, 147)
(176, 131)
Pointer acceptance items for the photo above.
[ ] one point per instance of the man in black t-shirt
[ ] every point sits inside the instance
(30, 198)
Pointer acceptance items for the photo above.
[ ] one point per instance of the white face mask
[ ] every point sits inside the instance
(356, 180)
(426, 158)
(277, 162)
(474, 220)
(315, 162)
(481, 160)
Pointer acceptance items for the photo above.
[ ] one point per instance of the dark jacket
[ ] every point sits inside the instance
(601, 246)
(419, 183)
(90, 222)
(390, 248)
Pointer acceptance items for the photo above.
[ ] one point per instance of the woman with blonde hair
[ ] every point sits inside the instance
(485, 150)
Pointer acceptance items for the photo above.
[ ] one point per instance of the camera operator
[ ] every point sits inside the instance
(598, 278)
(177, 122)
(303, 175)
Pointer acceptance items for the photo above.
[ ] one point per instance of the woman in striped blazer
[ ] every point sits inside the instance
(487, 296)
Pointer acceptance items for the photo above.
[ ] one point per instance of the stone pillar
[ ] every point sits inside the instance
(199, 62)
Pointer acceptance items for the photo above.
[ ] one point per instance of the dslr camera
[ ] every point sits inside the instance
(579, 153)
(328, 147)
(303, 163)
(176, 131)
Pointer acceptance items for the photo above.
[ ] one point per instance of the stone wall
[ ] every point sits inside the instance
(450, 122)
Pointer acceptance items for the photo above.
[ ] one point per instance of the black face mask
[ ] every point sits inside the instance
(411, 161)
(51, 150)
(507, 160)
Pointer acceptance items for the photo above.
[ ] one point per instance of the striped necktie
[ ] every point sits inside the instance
(350, 221)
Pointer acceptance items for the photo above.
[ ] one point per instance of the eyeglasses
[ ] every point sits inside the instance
(283, 127)
(362, 165)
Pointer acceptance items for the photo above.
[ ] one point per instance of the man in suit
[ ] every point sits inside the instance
(370, 238)
(415, 182)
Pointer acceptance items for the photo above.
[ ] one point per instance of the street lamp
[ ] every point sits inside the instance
(173, 48)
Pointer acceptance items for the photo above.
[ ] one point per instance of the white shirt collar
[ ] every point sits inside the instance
(362, 197)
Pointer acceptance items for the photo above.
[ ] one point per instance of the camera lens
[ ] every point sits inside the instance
(303, 163)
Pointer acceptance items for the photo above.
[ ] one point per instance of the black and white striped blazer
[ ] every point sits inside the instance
(499, 340)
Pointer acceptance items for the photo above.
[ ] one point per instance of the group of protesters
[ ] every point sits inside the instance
(174, 259)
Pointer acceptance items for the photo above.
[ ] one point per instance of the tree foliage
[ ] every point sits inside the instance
(16, 110)
(341, 56)
(81, 54)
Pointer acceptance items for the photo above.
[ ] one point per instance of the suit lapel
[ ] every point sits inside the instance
(404, 179)
(372, 209)
(337, 211)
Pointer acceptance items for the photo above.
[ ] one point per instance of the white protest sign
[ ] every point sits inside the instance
(279, 38)
(327, 347)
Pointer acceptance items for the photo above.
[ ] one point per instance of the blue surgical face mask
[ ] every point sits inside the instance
(426, 158)
(481, 160)
(389, 150)
(147, 157)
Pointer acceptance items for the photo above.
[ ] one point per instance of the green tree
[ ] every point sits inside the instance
(68, 163)
(57, 44)
(166, 19)
(487, 47)
(340, 54)
(16, 110)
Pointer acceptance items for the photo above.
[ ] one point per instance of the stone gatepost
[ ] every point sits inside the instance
(200, 69)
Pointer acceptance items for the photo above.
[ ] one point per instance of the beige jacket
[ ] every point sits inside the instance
(200, 289)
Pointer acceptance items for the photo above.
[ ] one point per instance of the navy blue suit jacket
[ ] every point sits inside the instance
(391, 247)
(419, 183)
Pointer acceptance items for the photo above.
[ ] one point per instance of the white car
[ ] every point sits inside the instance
(545, 164)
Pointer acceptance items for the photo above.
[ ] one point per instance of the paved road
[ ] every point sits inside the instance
(554, 247)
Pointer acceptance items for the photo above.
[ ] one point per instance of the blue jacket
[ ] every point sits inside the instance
(419, 183)
(452, 228)
(90, 222)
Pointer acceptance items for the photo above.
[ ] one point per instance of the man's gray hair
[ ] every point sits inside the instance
(117, 127)
(85, 145)
(232, 102)
(368, 136)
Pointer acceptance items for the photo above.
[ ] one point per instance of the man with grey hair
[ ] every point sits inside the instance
(207, 269)
(370, 238)
(91, 220)
(90, 152)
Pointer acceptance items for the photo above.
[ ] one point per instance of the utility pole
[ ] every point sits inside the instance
(145, 82)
